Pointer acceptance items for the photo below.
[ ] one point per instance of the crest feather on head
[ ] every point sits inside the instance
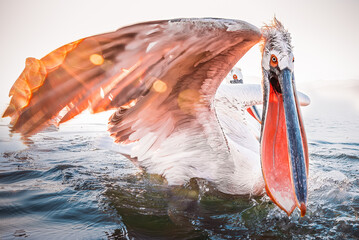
(275, 37)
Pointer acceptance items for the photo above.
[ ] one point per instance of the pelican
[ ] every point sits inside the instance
(235, 76)
(162, 78)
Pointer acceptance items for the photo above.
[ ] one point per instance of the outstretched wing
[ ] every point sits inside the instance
(162, 75)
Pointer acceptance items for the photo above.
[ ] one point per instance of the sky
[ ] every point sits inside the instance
(324, 33)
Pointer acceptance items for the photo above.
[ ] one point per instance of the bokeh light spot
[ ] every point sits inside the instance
(188, 99)
(96, 59)
(159, 86)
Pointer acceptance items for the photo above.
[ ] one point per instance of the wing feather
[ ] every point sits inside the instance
(164, 74)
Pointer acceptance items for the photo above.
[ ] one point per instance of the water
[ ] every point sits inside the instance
(65, 185)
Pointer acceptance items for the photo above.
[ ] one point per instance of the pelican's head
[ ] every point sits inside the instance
(284, 152)
(235, 76)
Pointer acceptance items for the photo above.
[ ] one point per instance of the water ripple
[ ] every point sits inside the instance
(63, 185)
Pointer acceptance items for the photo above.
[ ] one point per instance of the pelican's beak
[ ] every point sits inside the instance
(253, 111)
(284, 150)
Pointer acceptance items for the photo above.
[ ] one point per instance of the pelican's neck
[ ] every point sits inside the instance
(240, 134)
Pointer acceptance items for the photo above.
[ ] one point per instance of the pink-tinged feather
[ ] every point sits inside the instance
(171, 69)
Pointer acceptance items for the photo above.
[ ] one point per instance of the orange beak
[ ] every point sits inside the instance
(284, 150)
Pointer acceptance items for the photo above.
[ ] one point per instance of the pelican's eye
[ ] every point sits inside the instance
(273, 61)
(293, 59)
(235, 76)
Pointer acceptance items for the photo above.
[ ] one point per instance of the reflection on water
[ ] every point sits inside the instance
(67, 185)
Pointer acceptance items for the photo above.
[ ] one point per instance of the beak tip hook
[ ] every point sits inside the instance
(303, 209)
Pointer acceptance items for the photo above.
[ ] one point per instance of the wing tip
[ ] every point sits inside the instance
(31, 78)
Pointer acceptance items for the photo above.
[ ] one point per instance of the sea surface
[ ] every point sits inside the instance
(65, 184)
